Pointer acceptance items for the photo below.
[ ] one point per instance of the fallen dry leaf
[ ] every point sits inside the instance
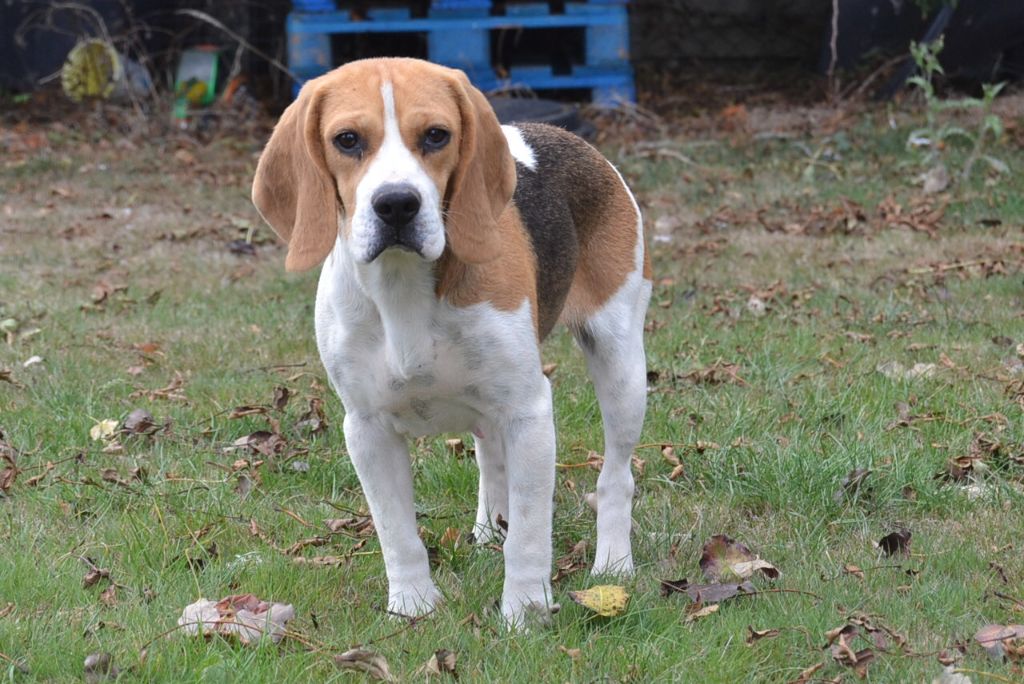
(248, 410)
(140, 422)
(7, 375)
(705, 593)
(281, 397)
(720, 372)
(723, 558)
(442, 662)
(839, 639)
(298, 546)
(172, 392)
(850, 569)
(35, 479)
(108, 596)
(999, 641)
(894, 370)
(896, 543)
(851, 484)
(242, 616)
(94, 573)
(314, 420)
(696, 611)
(9, 456)
(450, 537)
(879, 632)
(361, 525)
(573, 561)
(103, 430)
(607, 600)
(99, 667)
(261, 442)
(755, 635)
(807, 674)
(112, 476)
(366, 661)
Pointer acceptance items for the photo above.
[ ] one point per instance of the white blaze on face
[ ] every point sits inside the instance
(396, 163)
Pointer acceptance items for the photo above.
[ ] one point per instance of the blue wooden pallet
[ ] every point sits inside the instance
(458, 35)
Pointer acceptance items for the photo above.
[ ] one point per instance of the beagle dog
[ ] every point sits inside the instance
(451, 246)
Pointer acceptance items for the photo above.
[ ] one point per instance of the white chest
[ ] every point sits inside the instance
(394, 351)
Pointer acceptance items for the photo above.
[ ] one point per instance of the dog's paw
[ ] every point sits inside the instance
(525, 606)
(413, 600)
(613, 563)
(488, 533)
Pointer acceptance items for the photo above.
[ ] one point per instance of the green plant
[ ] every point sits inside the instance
(940, 129)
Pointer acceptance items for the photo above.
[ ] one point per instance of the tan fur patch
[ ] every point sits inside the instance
(504, 282)
(607, 236)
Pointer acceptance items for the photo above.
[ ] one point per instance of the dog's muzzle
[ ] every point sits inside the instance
(396, 206)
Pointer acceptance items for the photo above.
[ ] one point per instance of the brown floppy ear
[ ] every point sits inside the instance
(483, 182)
(293, 190)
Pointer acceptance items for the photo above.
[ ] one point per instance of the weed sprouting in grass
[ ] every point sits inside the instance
(940, 130)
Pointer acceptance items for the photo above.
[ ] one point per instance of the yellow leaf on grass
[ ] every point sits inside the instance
(104, 429)
(702, 612)
(607, 600)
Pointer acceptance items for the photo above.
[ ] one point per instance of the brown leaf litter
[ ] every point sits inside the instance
(366, 661)
(723, 558)
(241, 616)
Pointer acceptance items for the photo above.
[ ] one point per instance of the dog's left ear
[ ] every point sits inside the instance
(293, 189)
(483, 182)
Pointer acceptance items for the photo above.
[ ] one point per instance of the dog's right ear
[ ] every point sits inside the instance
(293, 189)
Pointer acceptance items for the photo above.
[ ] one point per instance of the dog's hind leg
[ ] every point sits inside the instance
(612, 342)
(492, 500)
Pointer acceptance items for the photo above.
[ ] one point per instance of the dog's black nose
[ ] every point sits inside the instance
(396, 205)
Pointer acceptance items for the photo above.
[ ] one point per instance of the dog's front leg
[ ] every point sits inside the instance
(529, 445)
(381, 458)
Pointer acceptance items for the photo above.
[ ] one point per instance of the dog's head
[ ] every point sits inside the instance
(394, 153)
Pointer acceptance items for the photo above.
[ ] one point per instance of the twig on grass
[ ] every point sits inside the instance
(662, 445)
(19, 665)
(294, 516)
(825, 578)
(1017, 603)
(780, 591)
(280, 367)
(48, 464)
(410, 623)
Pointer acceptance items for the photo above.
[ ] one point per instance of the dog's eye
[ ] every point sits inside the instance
(348, 142)
(435, 138)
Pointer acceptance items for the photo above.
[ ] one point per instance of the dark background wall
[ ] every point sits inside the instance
(668, 30)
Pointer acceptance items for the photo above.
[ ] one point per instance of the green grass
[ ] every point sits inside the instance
(810, 408)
